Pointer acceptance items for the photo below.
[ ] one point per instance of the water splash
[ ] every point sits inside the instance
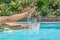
(7, 30)
(34, 28)
(29, 18)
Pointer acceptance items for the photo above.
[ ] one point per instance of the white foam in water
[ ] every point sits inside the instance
(34, 28)
(7, 30)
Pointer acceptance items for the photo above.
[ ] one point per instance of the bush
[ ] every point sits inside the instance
(44, 13)
(39, 5)
(9, 7)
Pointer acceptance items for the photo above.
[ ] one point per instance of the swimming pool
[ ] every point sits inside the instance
(44, 31)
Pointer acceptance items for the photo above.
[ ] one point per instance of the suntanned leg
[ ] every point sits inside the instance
(16, 26)
(22, 15)
(15, 17)
(3, 19)
(20, 25)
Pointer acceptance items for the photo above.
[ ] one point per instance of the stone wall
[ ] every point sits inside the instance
(43, 19)
(48, 19)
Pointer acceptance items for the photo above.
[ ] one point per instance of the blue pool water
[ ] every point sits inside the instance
(45, 31)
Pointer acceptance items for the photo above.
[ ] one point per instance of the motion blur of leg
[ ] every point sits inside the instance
(15, 17)
(9, 20)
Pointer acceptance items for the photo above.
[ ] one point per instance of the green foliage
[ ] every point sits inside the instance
(14, 6)
(54, 5)
(48, 6)
(6, 1)
(24, 5)
(39, 5)
(9, 7)
(43, 7)
(3, 8)
(44, 13)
